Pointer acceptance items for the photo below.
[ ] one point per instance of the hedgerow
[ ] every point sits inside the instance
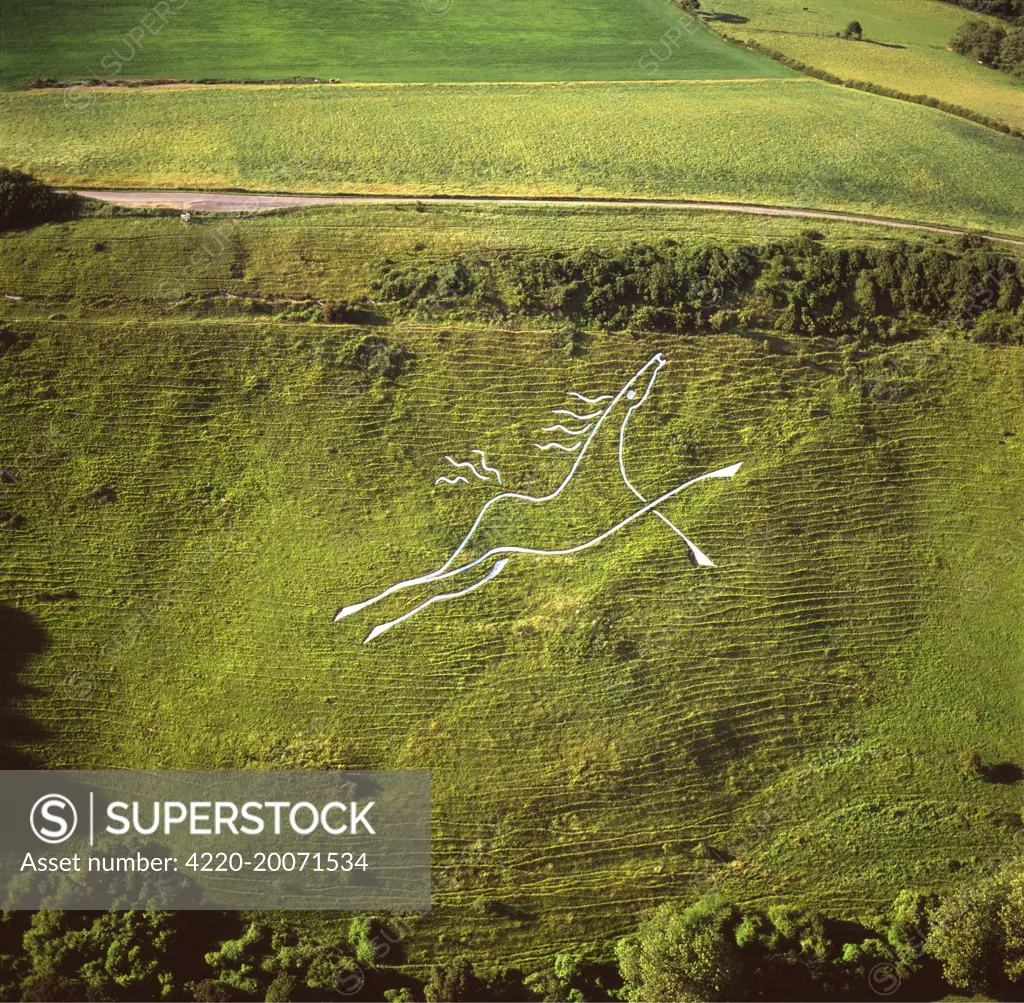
(798, 287)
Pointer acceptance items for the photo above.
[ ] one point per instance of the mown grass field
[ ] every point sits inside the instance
(790, 142)
(425, 40)
(588, 721)
(905, 48)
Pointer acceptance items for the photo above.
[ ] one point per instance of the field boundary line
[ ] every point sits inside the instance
(142, 84)
(868, 87)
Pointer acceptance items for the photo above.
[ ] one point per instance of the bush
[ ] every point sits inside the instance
(1011, 52)
(25, 201)
(211, 991)
(968, 762)
(979, 936)
(687, 955)
(46, 988)
(980, 41)
(453, 983)
(283, 989)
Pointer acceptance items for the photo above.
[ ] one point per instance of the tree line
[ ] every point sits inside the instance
(991, 44)
(924, 946)
(799, 287)
(1008, 10)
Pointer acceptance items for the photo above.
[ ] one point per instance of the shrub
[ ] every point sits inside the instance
(453, 983)
(979, 936)
(45, 988)
(687, 955)
(968, 762)
(980, 41)
(1011, 52)
(283, 989)
(26, 201)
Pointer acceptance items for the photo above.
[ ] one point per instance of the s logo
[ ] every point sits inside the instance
(53, 818)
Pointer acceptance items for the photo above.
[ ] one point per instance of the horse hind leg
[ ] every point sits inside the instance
(381, 627)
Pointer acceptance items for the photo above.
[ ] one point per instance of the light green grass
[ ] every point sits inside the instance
(587, 721)
(911, 57)
(363, 40)
(784, 142)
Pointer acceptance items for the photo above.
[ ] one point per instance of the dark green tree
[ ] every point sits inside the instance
(978, 936)
(455, 982)
(980, 41)
(683, 955)
(52, 989)
(283, 988)
(1011, 52)
(113, 953)
(26, 201)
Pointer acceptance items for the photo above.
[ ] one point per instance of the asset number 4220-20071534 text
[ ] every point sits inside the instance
(273, 862)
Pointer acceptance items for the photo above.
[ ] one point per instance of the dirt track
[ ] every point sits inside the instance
(231, 202)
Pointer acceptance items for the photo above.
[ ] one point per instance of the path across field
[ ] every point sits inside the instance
(232, 202)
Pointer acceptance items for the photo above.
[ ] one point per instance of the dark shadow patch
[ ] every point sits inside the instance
(62, 595)
(884, 45)
(494, 907)
(1002, 773)
(105, 493)
(22, 638)
(9, 340)
(354, 313)
(721, 18)
(11, 520)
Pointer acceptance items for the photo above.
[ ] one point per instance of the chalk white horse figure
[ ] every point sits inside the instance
(618, 410)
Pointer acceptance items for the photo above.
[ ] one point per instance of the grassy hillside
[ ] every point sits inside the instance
(784, 142)
(905, 48)
(426, 40)
(196, 496)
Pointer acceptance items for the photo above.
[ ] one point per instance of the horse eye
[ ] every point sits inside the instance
(630, 394)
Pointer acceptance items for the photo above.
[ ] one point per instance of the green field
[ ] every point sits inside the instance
(200, 493)
(906, 48)
(773, 142)
(377, 40)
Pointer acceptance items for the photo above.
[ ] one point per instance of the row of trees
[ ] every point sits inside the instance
(991, 44)
(1009, 10)
(799, 287)
(924, 947)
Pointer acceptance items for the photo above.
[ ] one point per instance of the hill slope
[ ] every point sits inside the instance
(195, 497)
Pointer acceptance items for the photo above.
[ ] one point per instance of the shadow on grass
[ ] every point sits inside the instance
(1002, 773)
(22, 638)
(721, 18)
(884, 45)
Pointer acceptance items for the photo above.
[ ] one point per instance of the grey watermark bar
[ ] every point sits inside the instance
(237, 839)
